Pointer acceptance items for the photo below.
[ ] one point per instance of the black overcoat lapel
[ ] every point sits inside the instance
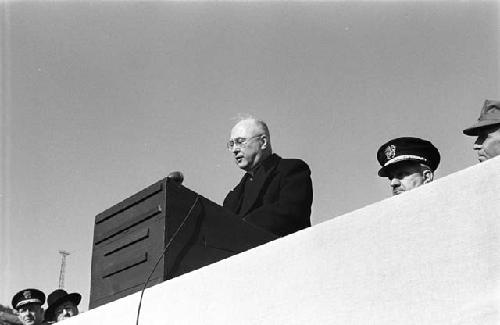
(233, 199)
(260, 179)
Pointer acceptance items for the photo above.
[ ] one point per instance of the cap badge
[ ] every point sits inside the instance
(390, 152)
(27, 294)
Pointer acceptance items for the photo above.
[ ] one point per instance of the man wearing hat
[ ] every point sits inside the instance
(487, 131)
(28, 304)
(62, 305)
(408, 163)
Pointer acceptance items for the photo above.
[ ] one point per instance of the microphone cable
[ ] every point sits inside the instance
(163, 254)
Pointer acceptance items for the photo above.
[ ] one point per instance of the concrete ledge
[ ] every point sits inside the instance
(430, 256)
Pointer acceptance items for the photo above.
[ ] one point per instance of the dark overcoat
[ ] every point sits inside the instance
(279, 197)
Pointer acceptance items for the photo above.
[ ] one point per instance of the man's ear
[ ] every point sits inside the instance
(428, 176)
(264, 141)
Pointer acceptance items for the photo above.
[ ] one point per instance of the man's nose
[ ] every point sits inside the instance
(395, 182)
(478, 144)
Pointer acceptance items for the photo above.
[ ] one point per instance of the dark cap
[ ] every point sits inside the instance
(58, 297)
(490, 115)
(28, 296)
(404, 149)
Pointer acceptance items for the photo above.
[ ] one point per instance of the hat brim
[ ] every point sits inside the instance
(391, 163)
(72, 297)
(474, 129)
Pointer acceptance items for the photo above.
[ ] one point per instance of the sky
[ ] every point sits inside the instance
(101, 99)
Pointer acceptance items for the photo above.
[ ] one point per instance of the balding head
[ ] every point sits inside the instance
(250, 143)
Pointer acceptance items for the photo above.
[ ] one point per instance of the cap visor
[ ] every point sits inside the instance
(28, 301)
(383, 171)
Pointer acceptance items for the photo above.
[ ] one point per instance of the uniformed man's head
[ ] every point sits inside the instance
(250, 143)
(28, 305)
(62, 305)
(407, 163)
(487, 131)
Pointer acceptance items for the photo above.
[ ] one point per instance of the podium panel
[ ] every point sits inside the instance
(130, 237)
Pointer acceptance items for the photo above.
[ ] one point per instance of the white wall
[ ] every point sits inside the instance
(430, 256)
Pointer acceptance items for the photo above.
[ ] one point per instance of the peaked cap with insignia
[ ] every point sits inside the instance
(404, 149)
(490, 115)
(28, 296)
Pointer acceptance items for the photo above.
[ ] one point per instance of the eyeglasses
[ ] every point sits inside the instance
(240, 142)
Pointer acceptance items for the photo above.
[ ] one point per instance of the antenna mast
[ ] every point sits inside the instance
(63, 268)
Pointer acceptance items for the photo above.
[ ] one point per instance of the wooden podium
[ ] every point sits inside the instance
(130, 236)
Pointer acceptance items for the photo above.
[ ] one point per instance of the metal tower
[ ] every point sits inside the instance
(63, 268)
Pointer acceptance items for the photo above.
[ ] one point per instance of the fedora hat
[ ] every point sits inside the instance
(490, 115)
(58, 297)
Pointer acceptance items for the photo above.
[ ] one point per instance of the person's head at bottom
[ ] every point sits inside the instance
(408, 163)
(62, 305)
(28, 305)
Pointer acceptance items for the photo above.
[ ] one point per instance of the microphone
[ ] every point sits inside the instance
(176, 177)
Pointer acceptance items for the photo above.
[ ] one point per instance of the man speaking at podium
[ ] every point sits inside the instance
(275, 193)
